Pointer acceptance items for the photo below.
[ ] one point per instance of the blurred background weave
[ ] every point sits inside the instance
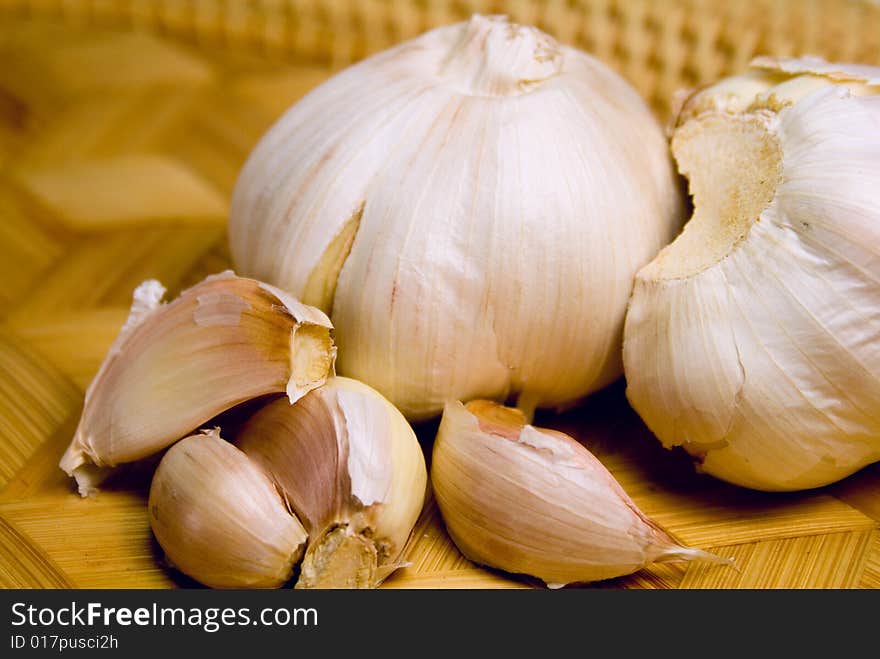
(659, 45)
(123, 125)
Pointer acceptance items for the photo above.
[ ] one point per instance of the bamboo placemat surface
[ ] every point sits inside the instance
(123, 124)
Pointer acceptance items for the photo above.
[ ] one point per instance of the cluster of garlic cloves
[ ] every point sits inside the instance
(534, 501)
(482, 214)
(322, 473)
(752, 340)
(332, 484)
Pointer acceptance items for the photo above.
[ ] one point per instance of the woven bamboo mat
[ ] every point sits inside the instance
(123, 124)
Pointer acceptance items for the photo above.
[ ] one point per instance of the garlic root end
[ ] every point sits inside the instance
(339, 559)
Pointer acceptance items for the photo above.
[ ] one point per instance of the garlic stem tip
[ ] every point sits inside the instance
(696, 555)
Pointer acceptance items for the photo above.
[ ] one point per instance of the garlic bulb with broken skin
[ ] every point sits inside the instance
(351, 468)
(753, 340)
(534, 501)
(219, 518)
(174, 366)
(479, 182)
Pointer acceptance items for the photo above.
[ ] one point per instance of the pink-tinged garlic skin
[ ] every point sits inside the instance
(174, 366)
(534, 501)
(220, 519)
(351, 468)
(753, 340)
(479, 181)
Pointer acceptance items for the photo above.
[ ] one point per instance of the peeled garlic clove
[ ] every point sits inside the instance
(351, 468)
(753, 340)
(534, 501)
(219, 519)
(479, 181)
(175, 366)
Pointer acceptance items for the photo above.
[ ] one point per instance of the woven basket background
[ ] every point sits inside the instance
(123, 124)
(659, 45)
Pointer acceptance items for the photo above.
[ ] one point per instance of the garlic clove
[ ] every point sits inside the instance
(219, 519)
(351, 468)
(751, 340)
(175, 366)
(534, 501)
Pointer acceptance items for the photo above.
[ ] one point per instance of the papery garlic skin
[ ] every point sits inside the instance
(479, 181)
(219, 519)
(174, 366)
(352, 469)
(753, 341)
(534, 501)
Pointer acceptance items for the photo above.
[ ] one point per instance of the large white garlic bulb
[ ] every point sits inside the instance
(753, 340)
(470, 207)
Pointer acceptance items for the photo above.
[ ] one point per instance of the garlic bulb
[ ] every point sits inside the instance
(173, 367)
(341, 467)
(470, 208)
(753, 340)
(534, 501)
(219, 518)
(351, 468)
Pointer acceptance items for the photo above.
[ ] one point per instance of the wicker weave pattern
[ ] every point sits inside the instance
(659, 45)
(118, 152)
